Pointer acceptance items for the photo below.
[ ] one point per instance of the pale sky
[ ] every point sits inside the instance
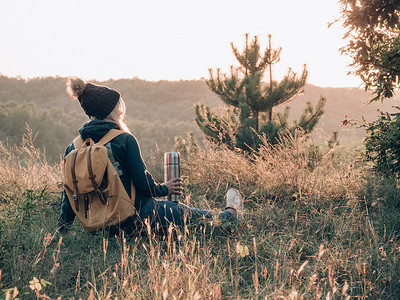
(167, 39)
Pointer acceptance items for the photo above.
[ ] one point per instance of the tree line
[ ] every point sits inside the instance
(157, 112)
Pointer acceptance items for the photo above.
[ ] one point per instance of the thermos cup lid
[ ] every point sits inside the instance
(171, 158)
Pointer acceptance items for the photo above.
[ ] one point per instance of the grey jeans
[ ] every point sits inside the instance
(160, 214)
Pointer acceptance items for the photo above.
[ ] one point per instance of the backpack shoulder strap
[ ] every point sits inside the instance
(111, 134)
(78, 142)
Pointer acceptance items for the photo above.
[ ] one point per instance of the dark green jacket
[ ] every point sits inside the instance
(128, 163)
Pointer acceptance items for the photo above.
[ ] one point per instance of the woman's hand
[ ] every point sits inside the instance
(175, 186)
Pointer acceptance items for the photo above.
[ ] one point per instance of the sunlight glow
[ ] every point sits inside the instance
(166, 40)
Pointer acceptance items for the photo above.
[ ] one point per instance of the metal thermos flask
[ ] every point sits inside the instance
(171, 170)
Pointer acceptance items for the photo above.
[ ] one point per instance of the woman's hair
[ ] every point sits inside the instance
(118, 116)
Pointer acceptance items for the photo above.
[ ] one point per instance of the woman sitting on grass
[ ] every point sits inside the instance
(106, 110)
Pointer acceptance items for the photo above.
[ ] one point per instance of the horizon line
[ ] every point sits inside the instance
(20, 77)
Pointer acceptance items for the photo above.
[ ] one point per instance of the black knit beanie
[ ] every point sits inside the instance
(97, 101)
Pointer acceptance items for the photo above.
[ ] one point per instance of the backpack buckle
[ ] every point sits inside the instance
(86, 200)
(75, 198)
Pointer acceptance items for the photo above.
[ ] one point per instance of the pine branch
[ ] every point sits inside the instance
(309, 118)
(283, 91)
(218, 130)
(227, 87)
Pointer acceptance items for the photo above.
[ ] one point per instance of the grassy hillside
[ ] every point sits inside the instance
(317, 225)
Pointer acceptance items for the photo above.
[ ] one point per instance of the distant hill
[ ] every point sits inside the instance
(158, 111)
(352, 102)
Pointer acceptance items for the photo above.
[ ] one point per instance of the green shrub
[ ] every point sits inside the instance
(383, 144)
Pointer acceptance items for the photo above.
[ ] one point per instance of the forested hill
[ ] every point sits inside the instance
(157, 111)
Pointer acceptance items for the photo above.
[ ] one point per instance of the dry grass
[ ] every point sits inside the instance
(317, 226)
(24, 168)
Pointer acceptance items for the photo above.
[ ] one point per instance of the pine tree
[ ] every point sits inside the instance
(251, 100)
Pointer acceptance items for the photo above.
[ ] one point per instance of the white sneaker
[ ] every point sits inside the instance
(234, 200)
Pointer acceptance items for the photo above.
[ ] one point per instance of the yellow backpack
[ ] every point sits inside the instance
(94, 188)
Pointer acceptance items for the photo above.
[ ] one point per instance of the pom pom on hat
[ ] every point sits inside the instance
(75, 87)
(96, 100)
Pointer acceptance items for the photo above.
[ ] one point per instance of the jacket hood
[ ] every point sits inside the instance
(96, 129)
